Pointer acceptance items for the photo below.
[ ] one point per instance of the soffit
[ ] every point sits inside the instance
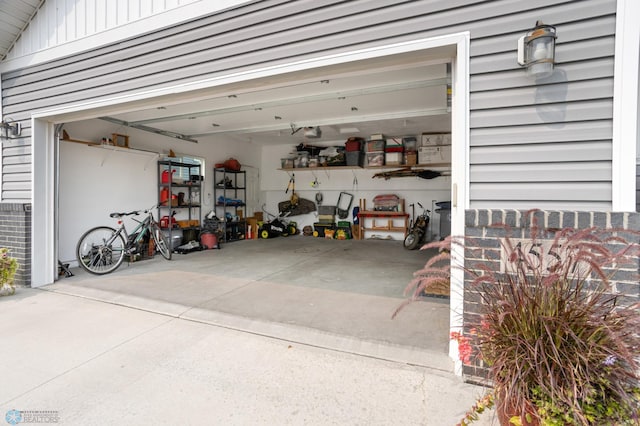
(15, 15)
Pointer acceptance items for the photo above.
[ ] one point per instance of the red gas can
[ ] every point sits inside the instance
(167, 175)
(164, 221)
(164, 196)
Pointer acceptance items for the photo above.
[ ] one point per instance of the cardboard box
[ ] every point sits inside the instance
(355, 232)
(410, 158)
(252, 223)
(434, 154)
(393, 158)
(435, 139)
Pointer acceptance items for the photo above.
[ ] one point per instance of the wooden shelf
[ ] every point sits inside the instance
(314, 169)
(112, 147)
(385, 167)
(417, 166)
(122, 149)
(80, 141)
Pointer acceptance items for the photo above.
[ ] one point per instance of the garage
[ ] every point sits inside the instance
(260, 122)
(262, 128)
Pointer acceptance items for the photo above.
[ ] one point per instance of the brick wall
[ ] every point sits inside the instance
(15, 234)
(483, 246)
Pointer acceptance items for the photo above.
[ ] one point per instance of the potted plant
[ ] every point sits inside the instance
(8, 268)
(553, 339)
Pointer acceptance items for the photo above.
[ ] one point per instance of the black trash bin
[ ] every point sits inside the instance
(444, 210)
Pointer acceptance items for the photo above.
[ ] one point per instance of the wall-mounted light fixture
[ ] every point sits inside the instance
(10, 129)
(536, 50)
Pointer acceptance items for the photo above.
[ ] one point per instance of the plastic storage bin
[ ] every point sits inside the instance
(375, 158)
(354, 158)
(375, 145)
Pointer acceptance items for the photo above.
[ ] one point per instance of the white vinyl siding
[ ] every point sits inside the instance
(547, 143)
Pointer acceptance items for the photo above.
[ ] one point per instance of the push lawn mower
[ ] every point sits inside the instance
(276, 226)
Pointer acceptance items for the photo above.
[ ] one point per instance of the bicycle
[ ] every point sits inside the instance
(102, 249)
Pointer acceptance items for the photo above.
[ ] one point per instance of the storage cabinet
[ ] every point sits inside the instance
(382, 221)
(179, 190)
(229, 190)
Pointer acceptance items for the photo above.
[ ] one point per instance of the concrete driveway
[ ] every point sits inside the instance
(75, 361)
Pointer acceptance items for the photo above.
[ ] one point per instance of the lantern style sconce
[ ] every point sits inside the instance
(10, 129)
(536, 50)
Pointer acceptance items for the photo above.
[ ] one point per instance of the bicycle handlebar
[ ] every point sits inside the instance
(116, 215)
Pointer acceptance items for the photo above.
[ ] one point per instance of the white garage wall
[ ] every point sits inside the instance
(95, 182)
(90, 188)
(332, 182)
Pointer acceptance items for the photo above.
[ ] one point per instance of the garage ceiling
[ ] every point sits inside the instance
(394, 100)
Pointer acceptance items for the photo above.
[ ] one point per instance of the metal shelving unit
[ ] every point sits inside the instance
(182, 196)
(230, 194)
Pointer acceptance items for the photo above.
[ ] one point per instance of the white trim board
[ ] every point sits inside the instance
(625, 106)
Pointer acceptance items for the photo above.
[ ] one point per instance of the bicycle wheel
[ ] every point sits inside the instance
(100, 250)
(161, 241)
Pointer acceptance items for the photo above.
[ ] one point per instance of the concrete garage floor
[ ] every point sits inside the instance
(327, 293)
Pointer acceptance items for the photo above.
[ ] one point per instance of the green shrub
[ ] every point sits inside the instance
(8, 268)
